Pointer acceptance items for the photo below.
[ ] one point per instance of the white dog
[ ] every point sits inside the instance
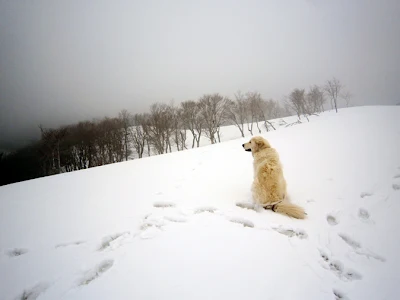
(269, 186)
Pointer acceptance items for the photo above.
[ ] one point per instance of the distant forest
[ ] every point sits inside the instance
(165, 128)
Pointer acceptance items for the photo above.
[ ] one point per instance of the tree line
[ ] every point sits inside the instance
(165, 128)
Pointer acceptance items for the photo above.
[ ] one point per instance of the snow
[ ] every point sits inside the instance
(169, 227)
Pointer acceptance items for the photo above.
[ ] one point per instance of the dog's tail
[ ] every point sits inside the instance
(290, 209)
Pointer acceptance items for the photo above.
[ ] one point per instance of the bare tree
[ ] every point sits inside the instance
(296, 102)
(190, 111)
(265, 111)
(252, 110)
(236, 111)
(199, 125)
(51, 141)
(126, 122)
(212, 108)
(315, 100)
(179, 128)
(347, 97)
(160, 126)
(333, 89)
(138, 133)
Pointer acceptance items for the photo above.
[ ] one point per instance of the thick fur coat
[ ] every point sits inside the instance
(269, 185)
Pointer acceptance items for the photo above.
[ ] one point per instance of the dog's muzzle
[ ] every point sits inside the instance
(249, 150)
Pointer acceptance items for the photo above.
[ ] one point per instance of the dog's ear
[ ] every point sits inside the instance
(260, 143)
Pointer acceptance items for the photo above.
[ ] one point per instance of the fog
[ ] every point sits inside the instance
(66, 61)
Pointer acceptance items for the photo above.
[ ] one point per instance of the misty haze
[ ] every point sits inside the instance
(63, 62)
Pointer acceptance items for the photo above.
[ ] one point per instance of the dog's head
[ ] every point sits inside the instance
(256, 144)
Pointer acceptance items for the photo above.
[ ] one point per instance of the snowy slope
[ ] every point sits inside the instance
(168, 227)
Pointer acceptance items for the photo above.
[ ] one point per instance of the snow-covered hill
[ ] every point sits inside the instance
(168, 227)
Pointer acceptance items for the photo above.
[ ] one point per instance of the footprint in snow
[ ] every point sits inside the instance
(337, 268)
(203, 209)
(299, 233)
(77, 243)
(351, 275)
(365, 194)
(251, 206)
(332, 220)
(246, 205)
(396, 186)
(175, 219)
(34, 292)
(339, 295)
(358, 249)
(112, 241)
(161, 204)
(323, 255)
(244, 222)
(96, 272)
(349, 241)
(396, 176)
(16, 252)
(363, 214)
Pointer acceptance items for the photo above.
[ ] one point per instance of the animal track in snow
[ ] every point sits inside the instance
(244, 222)
(351, 275)
(396, 176)
(337, 268)
(33, 292)
(110, 240)
(332, 220)
(205, 209)
(155, 223)
(363, 214)
(358, 249)
(301, 234)
(175, 219)
(349, 241)
(339, 295)
(160, 204)
(324, 256)
(246, 205)
(96, 272)
(365, 194)
(370, 254)
(70, 244)
(16, 252)
(396, 186)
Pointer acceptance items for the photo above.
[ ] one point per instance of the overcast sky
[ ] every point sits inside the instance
(65, 61)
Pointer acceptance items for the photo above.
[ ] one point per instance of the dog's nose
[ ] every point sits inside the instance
(243, 145)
